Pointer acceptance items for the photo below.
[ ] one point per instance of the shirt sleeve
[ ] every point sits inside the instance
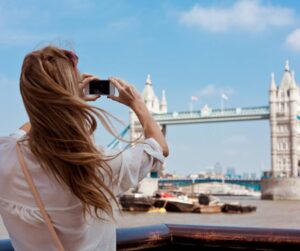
(130, 166)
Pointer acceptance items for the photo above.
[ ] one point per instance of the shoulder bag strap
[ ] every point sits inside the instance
(38, 200)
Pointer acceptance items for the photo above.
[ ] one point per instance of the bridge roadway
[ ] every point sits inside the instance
(214, 115)
(249, 183)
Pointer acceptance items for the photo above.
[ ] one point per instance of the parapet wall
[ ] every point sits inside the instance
(280, 188)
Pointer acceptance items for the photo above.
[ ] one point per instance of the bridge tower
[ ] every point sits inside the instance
(153, 105)
(285, 137)
(284, 182)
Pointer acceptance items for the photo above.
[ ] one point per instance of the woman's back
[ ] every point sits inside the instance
(23, 219)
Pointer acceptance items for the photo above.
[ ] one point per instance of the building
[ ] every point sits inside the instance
(285, 125)
(153, 105)
(218, 169)
(230, 172)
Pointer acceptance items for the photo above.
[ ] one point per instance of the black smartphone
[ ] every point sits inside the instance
(100, 87)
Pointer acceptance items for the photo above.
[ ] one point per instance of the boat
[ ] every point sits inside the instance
(182, 206)
(233, 208)
(136, 202)
(205, 199)
(175, 205)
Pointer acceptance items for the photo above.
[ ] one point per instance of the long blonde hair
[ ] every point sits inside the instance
(62, 124)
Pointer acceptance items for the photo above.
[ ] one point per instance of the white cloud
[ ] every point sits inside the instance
(245, 15)
(212, 90)
(208, 90)
(293, 40)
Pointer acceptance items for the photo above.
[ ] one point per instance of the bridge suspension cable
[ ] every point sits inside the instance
(116, 141)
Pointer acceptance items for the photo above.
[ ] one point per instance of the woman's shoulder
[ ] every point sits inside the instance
(13, 136)
(8, 148)
(8, 142)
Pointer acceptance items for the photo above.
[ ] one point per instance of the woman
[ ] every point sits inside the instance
(76, 180)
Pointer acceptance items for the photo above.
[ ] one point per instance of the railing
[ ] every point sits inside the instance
(188, 237)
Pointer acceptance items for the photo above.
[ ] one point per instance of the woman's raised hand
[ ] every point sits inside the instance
(128, 95)
(86, 79)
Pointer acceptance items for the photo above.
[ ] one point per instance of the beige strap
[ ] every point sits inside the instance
(38, 200)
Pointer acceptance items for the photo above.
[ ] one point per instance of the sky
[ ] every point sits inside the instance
(190, 48)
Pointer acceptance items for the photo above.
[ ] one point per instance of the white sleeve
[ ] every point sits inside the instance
(133, 164)
(18, 134)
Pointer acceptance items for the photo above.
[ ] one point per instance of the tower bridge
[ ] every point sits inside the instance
(283, 112)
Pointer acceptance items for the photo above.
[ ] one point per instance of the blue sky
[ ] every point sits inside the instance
(200, 48)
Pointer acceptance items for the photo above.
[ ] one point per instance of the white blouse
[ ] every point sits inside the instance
(23, 219)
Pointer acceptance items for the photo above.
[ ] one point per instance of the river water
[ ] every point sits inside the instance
(269, 214)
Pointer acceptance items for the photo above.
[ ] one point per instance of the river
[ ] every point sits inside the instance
(269, 214)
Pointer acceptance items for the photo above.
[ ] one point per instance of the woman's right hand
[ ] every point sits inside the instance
(128, 95)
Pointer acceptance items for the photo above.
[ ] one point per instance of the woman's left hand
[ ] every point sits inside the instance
(86, 79)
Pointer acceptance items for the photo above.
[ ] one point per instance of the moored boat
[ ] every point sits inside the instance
(233, 209)
(136, 202)
(177, 205)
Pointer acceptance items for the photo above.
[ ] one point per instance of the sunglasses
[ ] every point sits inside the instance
(72, 56)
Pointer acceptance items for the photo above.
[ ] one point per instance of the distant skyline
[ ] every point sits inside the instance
(190, 48)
